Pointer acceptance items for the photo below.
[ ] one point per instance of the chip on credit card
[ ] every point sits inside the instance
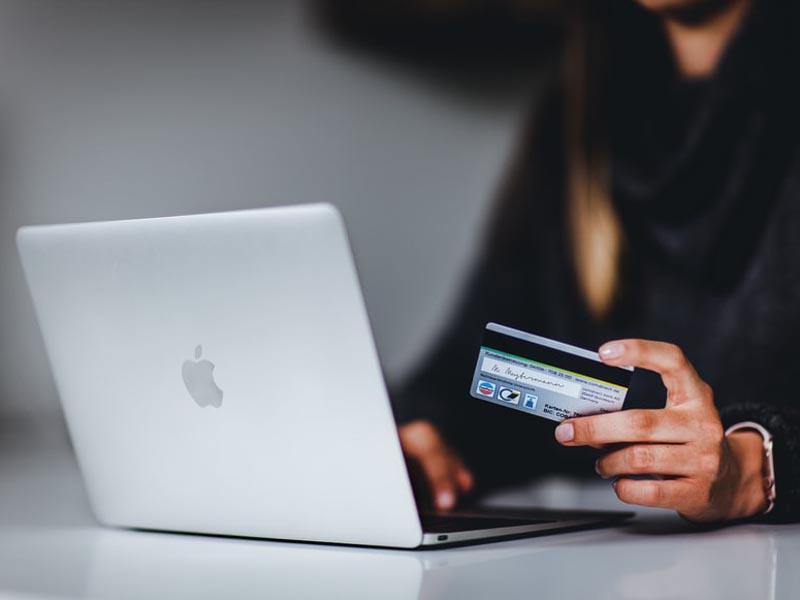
(546, 378)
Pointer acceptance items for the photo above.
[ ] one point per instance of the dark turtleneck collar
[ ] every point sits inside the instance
(696, 163)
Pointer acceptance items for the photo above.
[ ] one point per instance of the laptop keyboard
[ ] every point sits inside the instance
(455, 523)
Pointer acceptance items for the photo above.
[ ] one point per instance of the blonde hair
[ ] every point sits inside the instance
(596, 236)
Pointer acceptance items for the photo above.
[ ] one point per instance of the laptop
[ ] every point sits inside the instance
(218, 375)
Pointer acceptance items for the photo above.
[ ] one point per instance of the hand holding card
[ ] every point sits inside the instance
(691, 465)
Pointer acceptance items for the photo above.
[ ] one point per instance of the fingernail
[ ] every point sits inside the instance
(597, 466)
(612, 350)
(445, 500)
(565, 432)
(614, 484)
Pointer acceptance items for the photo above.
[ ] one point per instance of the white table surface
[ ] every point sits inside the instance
(51, 547)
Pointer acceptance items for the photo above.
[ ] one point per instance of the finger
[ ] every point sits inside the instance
(669, 493)
(437, 469)
(648, 459)
(463, 475)
(628, 426)
(677, 373)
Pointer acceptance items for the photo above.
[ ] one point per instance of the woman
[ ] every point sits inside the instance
(669, 213)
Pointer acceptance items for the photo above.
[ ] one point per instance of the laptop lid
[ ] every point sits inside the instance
(218, 375)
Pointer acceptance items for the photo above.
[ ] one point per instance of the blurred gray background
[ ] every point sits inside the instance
(113, 109)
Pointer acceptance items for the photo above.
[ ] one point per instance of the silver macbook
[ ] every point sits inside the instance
(218, 375)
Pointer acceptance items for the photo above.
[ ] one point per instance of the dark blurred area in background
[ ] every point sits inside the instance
(473, 34)
(483, 47)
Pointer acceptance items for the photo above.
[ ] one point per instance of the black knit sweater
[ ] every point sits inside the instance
(706, 180)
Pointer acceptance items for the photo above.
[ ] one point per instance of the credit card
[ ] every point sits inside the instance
(546, 378)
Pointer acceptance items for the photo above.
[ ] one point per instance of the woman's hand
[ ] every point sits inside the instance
(441, 468)
(708, 477)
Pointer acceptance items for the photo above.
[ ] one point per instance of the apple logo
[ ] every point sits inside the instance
(198, 376)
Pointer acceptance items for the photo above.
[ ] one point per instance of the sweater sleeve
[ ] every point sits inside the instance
(784, 425)
(438, 389)
(429, 392)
